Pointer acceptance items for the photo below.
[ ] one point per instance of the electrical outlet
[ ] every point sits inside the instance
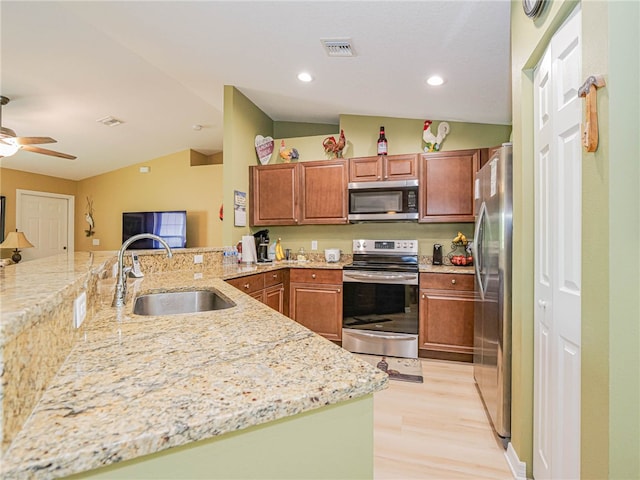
(198, 259)
(96, 242)
(314, 245)
(80, 309)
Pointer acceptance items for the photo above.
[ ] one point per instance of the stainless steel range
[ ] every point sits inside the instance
(380, 298)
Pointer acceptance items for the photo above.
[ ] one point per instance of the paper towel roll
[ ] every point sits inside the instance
(249, 249)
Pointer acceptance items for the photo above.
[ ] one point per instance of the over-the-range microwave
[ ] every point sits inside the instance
(395, 200)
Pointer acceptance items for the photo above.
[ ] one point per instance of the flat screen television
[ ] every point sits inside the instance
(171, 226)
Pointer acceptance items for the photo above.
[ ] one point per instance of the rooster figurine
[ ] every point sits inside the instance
(434, 141)
(288, 154)
(332, 147)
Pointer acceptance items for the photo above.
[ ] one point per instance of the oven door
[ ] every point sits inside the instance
(380, 301)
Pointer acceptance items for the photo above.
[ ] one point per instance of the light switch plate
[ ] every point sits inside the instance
(80, 309)
(198, 259)
(96, 242)
(314, 245)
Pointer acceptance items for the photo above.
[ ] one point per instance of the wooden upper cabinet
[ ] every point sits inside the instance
(312, 192)
(390, 167)
(446, 186)
(272, 194)
(323, 192)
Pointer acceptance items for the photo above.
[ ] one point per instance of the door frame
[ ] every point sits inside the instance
(70, 211)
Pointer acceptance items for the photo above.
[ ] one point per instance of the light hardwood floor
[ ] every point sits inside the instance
(435, 430)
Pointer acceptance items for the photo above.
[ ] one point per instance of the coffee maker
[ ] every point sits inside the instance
(262, 246)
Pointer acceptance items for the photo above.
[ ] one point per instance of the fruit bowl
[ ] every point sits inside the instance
(461, 260)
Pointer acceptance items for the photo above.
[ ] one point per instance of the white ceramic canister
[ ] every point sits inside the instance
(332, 255)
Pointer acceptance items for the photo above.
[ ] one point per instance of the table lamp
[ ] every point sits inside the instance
(16, 240)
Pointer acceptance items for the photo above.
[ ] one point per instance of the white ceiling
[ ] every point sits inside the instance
(160, 67)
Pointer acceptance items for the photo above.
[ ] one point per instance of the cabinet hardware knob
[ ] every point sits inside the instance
(275, 275)
(453, 282)
(246, 285)
(542, 303)
(424, 296)
(313, 275)
(338, 290)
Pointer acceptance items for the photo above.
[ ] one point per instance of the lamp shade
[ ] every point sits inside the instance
(16, 240)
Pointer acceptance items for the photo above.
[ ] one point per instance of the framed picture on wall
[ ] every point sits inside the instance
(3, 199)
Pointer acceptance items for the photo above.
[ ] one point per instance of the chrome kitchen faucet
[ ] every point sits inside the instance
(121, 284)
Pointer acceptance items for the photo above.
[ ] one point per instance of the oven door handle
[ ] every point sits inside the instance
(377, 276)
(405, 336)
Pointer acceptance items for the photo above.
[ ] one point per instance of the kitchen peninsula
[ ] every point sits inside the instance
(238, 392)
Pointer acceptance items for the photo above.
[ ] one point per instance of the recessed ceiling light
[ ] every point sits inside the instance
(305, 77)
(435, 80)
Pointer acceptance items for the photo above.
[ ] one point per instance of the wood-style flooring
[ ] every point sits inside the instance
(437, 429)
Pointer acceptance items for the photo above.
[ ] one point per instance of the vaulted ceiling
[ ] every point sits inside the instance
(160, 68)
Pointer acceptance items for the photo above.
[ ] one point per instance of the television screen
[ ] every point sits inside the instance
(171, 226)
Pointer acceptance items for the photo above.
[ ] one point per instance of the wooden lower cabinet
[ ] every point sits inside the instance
(268, 288)
(446, 315)
(316, 301)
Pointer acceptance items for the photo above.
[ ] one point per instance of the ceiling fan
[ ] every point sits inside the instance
(10, 143)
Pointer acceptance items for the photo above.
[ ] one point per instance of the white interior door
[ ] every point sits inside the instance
(558, 205)
(45, 220)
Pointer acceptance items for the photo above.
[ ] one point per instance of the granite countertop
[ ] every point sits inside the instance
(135, 385)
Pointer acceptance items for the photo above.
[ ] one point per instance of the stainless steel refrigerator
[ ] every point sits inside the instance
(492, 247)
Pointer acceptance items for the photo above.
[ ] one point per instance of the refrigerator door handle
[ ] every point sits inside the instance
(478, 248)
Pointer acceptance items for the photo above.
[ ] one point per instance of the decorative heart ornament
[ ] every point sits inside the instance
(264, 148)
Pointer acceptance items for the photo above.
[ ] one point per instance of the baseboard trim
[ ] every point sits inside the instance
(518, 468)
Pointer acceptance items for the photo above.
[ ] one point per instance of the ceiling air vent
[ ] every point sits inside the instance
(338, 47)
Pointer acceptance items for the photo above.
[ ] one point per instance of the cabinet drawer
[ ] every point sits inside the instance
(310, 275)
(447, 281)
(273, 278)
(249, 284)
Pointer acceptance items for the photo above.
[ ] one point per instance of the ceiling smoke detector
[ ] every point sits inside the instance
(338, 47)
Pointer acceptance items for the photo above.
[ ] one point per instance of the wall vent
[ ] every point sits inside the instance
(338, 47)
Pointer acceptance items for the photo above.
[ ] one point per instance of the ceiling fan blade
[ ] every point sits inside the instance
(33, 140)
(47, 152)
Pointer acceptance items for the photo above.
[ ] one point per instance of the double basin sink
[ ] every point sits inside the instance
(177, 302)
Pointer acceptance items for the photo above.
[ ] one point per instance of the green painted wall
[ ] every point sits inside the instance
(334, 441)
(242, 122)
(610, 425)
(623, 94)
(295, 129)
(405, 136)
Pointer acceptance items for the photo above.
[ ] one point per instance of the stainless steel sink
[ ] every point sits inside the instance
(171, 303)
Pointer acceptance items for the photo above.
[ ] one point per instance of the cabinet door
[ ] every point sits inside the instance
(248, 284)
(446, 186)
(272, 194)
(274, 297)
(323, 192)
(365, 169)
(318, 307)
(400, 167)
(446, 321)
